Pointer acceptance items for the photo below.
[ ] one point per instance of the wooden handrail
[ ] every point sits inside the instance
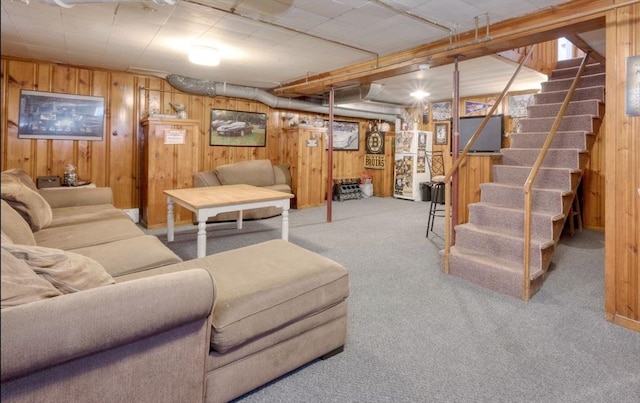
(463, 155)
(528, 184)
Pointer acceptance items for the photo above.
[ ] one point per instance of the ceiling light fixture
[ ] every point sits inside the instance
(204, 55)
(419, 94)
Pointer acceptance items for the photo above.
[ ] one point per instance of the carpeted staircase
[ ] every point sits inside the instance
(489, 248)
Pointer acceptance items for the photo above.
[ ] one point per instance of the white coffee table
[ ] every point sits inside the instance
(206, 202)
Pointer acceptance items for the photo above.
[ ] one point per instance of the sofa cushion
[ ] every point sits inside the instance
(256, 173)
(20, 284)
(14, 226)
(67, 271)
(87, 234)
(130, 255)
(28, 202)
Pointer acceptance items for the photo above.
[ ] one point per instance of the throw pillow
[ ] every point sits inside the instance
(67, 271)
(20, 284)
(15, 226)
(29, 203)
(23, 177)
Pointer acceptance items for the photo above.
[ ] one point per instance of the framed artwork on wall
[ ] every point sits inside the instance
(441, 110)
(53, 116)
(441, 136)
(346, 135)
(518, 104)
(237, 128)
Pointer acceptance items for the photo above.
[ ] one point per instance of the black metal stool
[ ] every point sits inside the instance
(435, 159)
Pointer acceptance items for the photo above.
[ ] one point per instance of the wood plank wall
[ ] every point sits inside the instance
(115, 162)
(622, 160)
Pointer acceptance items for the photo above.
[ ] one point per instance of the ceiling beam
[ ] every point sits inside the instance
(563, 20)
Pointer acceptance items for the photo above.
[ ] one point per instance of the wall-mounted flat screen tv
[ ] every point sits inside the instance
(48, 115)
(490, 139)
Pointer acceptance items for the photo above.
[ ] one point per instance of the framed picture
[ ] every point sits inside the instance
(53, 116)
(518, 105)
(237, 128)
(441, 136)
(346, 135)
(441, 110)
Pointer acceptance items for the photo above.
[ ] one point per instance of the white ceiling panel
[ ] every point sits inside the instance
(264, 43)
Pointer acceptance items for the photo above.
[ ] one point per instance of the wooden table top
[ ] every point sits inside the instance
(226, 195)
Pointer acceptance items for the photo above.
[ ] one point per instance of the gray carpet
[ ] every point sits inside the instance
(418, 335)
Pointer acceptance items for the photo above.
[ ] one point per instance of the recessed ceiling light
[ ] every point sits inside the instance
(204, 55)
(419, 94)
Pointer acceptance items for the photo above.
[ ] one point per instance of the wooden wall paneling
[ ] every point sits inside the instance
(593, 183)
(622, 154)
(64, 152)
(16, 153)
(122, 131)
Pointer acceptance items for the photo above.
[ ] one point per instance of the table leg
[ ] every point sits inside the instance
(285, 222)
(202, 238)
(239, 220)
(169, 219)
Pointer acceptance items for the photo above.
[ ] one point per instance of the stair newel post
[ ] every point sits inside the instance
(528, 184)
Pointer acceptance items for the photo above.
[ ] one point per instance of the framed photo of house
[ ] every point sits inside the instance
(346, 135)
(237, 128)
(53, 116)
(441, 136)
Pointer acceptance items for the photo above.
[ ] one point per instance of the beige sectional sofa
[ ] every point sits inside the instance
(95, 310)
(256, 173)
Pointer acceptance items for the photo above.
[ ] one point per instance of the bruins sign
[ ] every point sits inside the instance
(374, 157)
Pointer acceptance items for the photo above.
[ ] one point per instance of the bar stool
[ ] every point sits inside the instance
(435, 159)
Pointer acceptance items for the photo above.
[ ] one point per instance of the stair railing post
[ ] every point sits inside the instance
(463, 155)
(528, 184)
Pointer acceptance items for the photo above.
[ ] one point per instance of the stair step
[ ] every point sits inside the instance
(511, 220)
(586, 107)
(547, 178)
(565, 83)
(580, 94)
(585, 123)
(572, 71)
(578, 139)
(503, 276)
(556, 158)
(550, 201)
(574, 62)
(499, 245)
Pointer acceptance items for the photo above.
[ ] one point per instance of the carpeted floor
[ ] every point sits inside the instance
(418, 335)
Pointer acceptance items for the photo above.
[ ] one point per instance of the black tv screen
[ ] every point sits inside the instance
(490, 139)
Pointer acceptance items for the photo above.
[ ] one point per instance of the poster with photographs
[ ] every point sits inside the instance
(441, 110)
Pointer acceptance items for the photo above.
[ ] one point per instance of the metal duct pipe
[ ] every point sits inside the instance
(212, 88)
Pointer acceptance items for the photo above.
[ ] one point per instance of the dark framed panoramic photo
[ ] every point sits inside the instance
(237, 128)
(53, 116)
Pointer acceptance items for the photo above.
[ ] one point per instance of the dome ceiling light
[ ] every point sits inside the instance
(204, 55)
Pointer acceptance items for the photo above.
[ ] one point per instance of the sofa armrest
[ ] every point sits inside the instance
(43, 334)
(205, 178)
(282, 174)
(72, 197)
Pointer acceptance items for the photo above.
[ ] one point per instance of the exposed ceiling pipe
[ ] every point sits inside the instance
(212, 88)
